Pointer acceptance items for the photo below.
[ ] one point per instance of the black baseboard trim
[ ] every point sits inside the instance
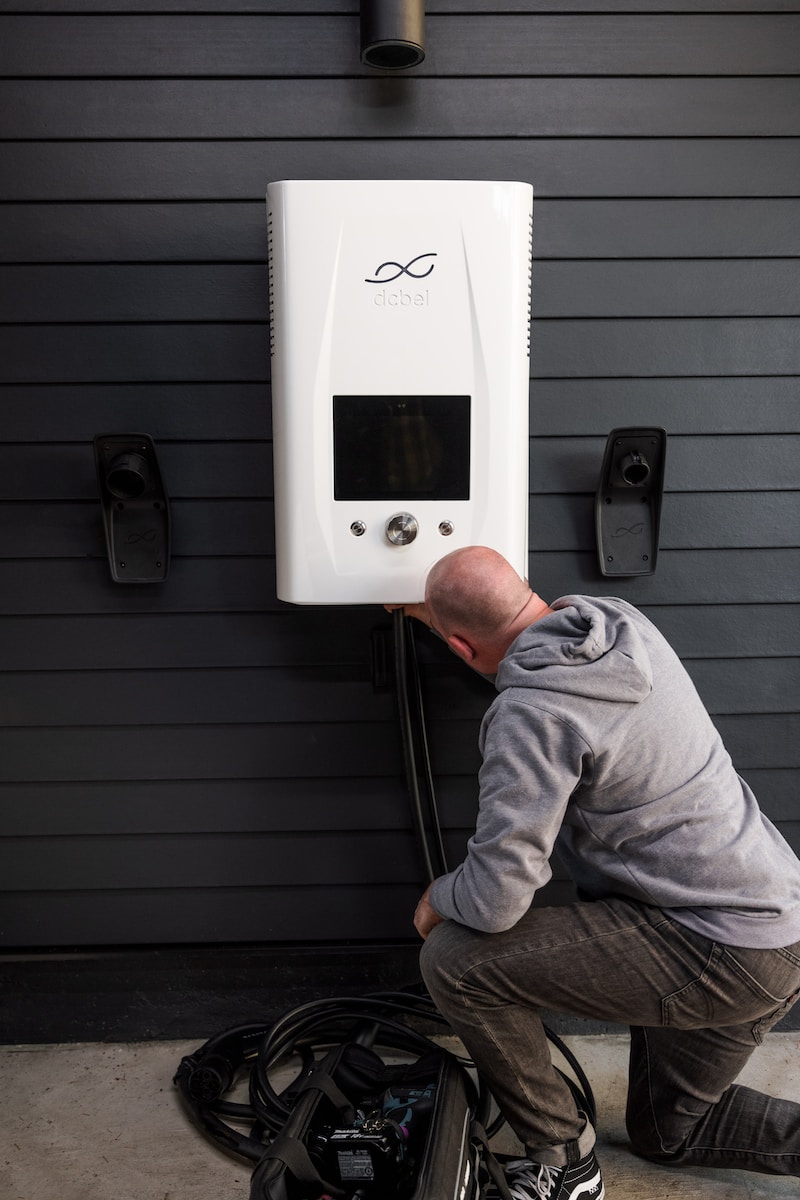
(165, 993)
(161, 993)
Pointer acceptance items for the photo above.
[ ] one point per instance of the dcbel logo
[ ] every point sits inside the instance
(381, 276)
(400, 298)
(389, 271)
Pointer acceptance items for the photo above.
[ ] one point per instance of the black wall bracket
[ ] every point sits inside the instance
(135, 507)
(628, 501)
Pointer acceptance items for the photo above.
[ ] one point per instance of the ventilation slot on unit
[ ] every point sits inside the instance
(271, 277)
(530, 269)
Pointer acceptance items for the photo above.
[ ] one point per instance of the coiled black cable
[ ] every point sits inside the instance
(205, 1077)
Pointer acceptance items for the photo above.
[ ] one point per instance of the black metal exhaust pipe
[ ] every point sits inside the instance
(392, 33)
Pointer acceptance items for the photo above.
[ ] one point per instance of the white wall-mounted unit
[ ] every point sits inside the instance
(400, 317)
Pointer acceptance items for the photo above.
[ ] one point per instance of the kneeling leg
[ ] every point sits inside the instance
(685, 1110)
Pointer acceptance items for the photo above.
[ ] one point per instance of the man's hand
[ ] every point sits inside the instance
(419, 611)
(426, 916)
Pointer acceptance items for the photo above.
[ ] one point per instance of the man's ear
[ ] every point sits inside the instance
(461, 647)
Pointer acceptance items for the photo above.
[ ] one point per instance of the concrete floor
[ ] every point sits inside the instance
(103, 1122)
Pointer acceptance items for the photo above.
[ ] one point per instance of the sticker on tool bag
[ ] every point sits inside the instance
(354, 1165)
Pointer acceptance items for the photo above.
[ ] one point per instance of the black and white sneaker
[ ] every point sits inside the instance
(528, 1180)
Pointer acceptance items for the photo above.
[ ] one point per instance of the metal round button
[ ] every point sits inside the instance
(401, 529)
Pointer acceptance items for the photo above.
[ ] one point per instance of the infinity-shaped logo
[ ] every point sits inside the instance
(628, 530)
(402, 270)
(133, 539)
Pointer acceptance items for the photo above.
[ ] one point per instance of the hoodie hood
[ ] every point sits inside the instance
(589, 646)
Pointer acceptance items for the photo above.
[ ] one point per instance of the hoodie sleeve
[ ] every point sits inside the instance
(532, 762)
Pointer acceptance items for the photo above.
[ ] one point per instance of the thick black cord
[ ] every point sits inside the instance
(407, 736)
(582, 1091)
(427, 771)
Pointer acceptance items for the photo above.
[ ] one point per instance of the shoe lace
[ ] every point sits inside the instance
(532, 1180)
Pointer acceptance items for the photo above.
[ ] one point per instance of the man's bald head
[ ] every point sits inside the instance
(475, 592)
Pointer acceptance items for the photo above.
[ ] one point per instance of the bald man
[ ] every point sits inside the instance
(687, 929)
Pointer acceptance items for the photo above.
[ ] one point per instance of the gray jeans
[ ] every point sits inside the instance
(697, 1010)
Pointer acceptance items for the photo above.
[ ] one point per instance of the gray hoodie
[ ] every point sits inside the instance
(599, 747)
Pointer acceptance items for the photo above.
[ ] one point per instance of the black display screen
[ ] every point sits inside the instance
(401, 447)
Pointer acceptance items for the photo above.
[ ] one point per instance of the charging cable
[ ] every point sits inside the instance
(416, 752)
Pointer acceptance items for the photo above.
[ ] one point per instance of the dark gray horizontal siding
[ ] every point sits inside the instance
(311, 637)
(211, 806)
(378, 912)
(309, 749)
(289, 7)
(248, 861)
(694, 464)
(248, 584)
(363, 861)
(694, 520)
(227, 806)
(200, 470)
(237, 292)
(237, 411)
(288, 45)
(187, 231)
(331, 637)
(408, 108)
(199, 762)
(314, 750)
(144, 353)
(695, 576)
(213, 914)
(183, 352)
(677, 288)
(76, 412)
(700, 404)
(565, 166)
(215, 527)
(652, 347)
(223, 696)
(275, 695)
(237, 528)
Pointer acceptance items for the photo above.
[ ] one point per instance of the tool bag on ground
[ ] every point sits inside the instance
(363, 1128)
(374, 1109)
